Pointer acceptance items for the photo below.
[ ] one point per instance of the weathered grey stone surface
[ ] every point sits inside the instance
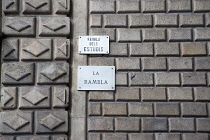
(10, 49)
(10, 7)
(140, 109)
(127, 124)
(123, 94)
(143, 136)
(31, 137)
(162, 76)
(153, 94)
(9, 97)
(154, 124)
(166, 20)
(19, 26)
(161, 52)
(37, 7)
(35, 58)
(140, 20)
(178, 94)
(121, 79)
(179, 5)
(193, 49)
(53, 73)
(180, 64)
(36, 49)
(167, 109)
(54, 26)
(167, 49)
(16, 122)
(202, 94)
(61, 49)
(61, 96)
(18, 73)
(52, 122)
(165, 136)
(181, 125)
(34, 97)
(195, 136)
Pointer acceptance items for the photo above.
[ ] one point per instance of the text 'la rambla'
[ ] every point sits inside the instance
(91, 82)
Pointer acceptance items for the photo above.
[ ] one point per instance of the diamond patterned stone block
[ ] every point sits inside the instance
(8, 97)
(36, 49)
(63, 6)
(37, 7)
(59, 137)
(10, 6)
(19, 26)
(15, 122)
(17, 73)
(53, 73)
(54, 26)
(51, 118)
(35, 97)
(34, 55)
(33, 138)
(60, 97)
(61, 49)
(10, 49)
(52, 122)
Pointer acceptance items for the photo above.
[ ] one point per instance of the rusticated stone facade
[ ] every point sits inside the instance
(35, 69)
(161, 52)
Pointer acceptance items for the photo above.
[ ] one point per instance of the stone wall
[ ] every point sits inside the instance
(161, 53)
(35, 70)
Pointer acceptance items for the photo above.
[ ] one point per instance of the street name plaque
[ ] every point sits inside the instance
(93, 44)
(96, 78)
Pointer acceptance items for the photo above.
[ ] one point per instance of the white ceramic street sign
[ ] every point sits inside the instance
(93, 44)
(96, 78)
